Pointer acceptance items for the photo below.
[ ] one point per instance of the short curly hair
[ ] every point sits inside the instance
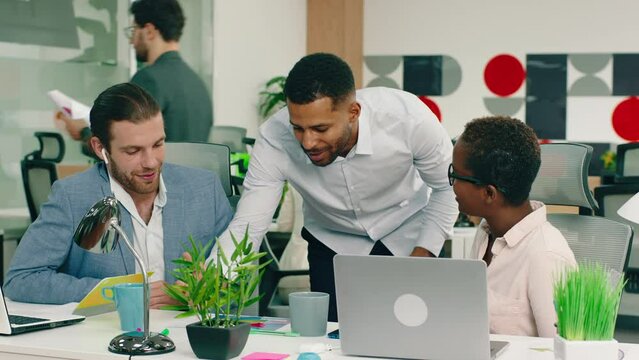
(165, 15)
(319, 75)
(503, 151)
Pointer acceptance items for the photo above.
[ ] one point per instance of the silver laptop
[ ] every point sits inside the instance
(11, 324)
(414, 308)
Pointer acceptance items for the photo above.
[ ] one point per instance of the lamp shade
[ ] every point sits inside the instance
(630, 210)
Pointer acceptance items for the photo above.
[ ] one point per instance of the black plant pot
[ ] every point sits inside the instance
(217, 343)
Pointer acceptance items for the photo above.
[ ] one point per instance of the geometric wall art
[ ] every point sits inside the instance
(423, 75)
(587, 97)
(504, 75)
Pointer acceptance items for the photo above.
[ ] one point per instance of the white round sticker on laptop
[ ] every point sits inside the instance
(410, 310)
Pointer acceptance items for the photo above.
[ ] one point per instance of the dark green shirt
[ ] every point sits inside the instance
(186, 104)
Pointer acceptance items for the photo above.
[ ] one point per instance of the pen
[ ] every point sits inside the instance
(274, 332)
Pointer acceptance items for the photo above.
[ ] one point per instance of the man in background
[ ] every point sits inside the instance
(184, 101)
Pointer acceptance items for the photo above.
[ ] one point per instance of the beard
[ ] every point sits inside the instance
(142, 55)
(132, 183)
(334, 151)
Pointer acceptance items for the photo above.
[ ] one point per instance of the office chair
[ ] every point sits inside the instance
(214, 157)
(289, 272)
(231, 136)
(611, 198)
(39, 170)
(51, 146)
(627, 163)
(563, 180)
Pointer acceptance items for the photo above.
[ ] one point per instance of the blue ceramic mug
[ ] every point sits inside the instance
(128, 301)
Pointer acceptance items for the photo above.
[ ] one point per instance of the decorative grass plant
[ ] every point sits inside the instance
(587, 300)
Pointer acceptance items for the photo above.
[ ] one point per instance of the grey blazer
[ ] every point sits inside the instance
(48, 267)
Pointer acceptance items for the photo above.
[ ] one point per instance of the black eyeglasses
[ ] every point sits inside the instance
(452, 176)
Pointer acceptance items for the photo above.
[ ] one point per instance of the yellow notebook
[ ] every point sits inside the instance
(94, 303)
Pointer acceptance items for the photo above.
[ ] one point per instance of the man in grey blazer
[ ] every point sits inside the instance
(161, 205)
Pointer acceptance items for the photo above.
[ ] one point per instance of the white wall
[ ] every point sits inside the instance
(253, 41)
(472, 32)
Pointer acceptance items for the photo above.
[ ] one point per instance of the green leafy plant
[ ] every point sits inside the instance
(217, 291)
(609, 159)
(272, 98)
(586, 301)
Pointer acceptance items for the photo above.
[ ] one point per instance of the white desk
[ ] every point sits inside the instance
(89, 340)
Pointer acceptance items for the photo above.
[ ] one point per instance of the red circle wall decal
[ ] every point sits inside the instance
(432, 106)
(504, 75)
(625, 119)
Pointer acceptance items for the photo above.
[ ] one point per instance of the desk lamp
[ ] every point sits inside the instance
(630, 209)
(98, 233)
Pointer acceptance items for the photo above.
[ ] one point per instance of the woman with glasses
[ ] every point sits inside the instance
(495, 162)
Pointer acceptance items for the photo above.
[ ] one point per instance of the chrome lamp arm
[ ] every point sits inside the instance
(98, 232)
(114, 223)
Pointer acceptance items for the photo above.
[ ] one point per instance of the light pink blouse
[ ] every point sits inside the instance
(525, 262)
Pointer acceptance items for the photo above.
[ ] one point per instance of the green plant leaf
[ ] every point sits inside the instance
(217, 294)
(175, 307)
(272, 96)
(182, 262)
(185, 314)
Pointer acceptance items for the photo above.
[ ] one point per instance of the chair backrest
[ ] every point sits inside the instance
(563, 180)
(39, 169)
(563, 176)
(596, 238)
(627, 163)
(51, 146)
(610, 198)
(214, 157)
(231, 136)
(37, 177)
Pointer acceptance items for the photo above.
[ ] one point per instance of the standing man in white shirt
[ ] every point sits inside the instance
(371, 166)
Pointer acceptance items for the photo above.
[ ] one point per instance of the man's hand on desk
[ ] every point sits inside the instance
(158, 297)
(420, 251)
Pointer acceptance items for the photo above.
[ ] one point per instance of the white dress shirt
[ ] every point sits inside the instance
(148, 239)
(392, 186)
(525, 263)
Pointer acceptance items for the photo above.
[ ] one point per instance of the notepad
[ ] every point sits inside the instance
(94, 304)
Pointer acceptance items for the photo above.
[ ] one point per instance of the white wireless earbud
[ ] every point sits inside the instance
(104, 156)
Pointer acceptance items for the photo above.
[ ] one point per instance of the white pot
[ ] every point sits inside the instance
(585, 350)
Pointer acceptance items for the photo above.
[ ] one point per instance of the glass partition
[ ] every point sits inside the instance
(79, 48)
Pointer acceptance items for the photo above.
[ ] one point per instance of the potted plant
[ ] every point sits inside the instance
(586, 301)
(609, 162)
(217, 292)
(272, 97)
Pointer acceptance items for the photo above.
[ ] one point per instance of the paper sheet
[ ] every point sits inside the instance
(71, 107)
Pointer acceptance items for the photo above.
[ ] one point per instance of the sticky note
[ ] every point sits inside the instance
(264, 356)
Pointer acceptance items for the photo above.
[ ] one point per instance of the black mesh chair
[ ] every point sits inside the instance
(39, 170)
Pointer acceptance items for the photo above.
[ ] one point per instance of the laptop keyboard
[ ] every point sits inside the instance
(23, 320)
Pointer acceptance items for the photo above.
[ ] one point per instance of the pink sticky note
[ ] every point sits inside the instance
(264, 356)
